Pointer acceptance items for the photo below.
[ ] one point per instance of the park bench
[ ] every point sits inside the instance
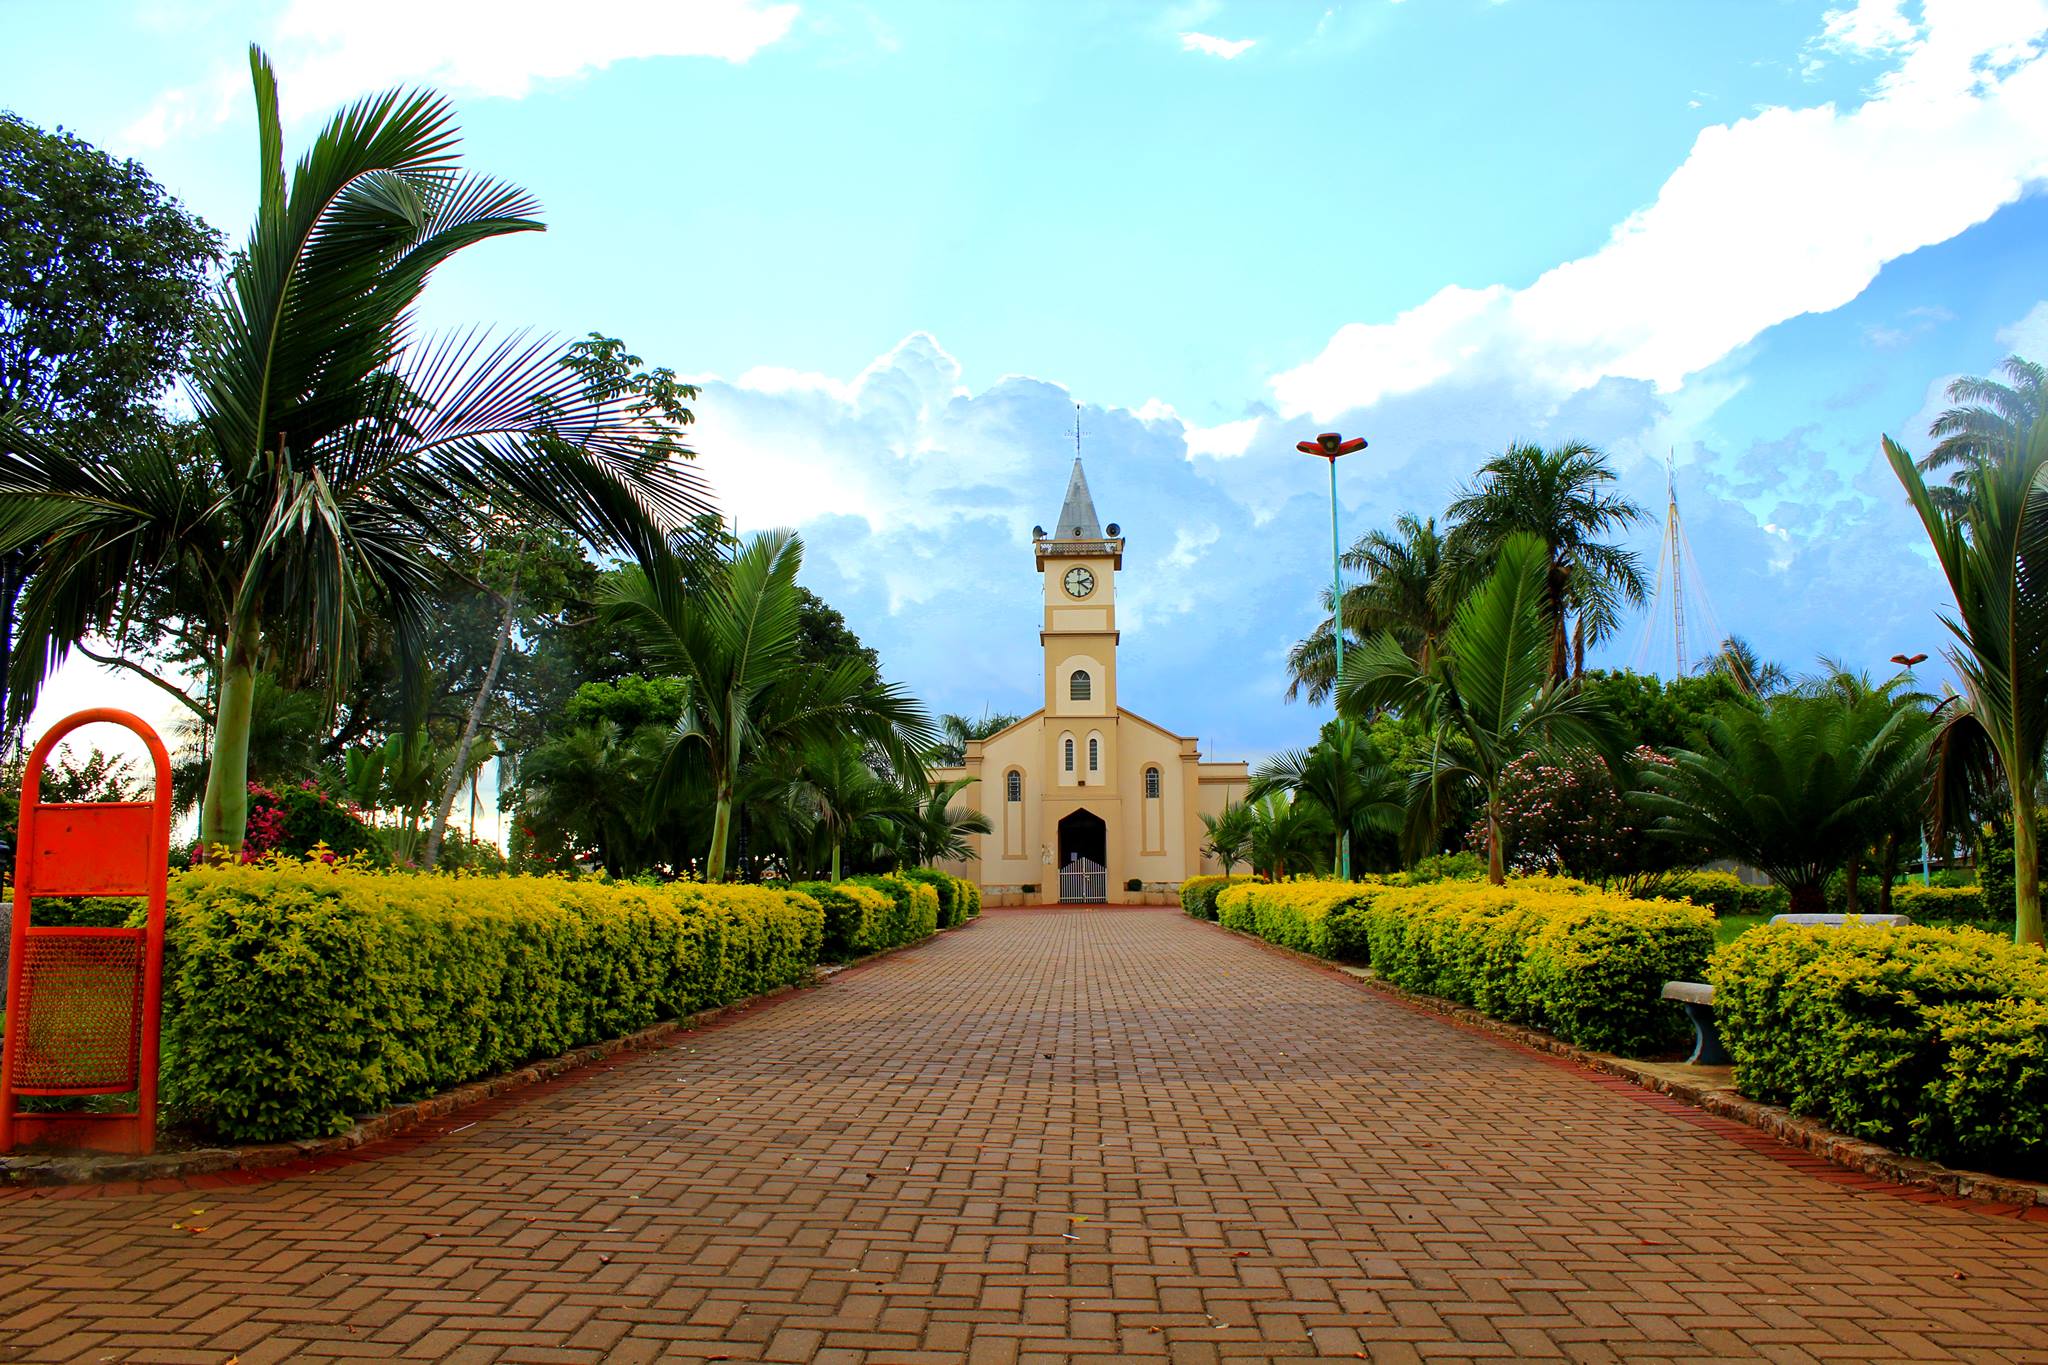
(1698, 996)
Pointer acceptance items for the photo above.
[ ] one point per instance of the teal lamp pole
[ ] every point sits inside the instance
(1329, 446)
(1907, 661)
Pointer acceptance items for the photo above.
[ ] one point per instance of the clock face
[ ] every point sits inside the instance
(1079, 582)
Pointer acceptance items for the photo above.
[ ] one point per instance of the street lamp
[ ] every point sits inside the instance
(1906, 661)
(1329, 446)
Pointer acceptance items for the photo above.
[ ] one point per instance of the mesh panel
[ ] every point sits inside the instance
(80, 1011)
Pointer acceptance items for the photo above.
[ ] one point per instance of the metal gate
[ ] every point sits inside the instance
(1084, 881)
(82, 1002)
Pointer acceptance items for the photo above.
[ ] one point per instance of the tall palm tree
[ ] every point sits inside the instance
(334, 444)
(1488, 698)
(1989, 422)
(592, 780)
(1405, 591)
(734, 641)
(1228, 834)
(1737, 660)
(1342, 772)
(1561, 497)
(1797, 789)
(1994, 553)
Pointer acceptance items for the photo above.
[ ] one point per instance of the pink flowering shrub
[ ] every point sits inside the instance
(1570, 817)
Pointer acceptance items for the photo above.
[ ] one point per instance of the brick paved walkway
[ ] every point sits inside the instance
(1049, 1137)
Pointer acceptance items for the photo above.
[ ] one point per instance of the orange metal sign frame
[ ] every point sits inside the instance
(82, 1004)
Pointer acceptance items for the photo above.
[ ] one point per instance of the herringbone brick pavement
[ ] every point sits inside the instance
(1089, 1136)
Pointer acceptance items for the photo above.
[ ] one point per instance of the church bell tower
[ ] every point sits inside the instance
(1079, 559)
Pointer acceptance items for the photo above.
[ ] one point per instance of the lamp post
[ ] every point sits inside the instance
(1329, 446)
(1906, 661)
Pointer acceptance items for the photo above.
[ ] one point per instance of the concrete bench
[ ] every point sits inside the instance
(1837, 921)
(1698, 999)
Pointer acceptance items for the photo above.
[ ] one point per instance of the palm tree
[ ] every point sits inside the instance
(733, 641)
(1228, 834)
(936, 829)
(334, 448)
(1405, 591)
(1990, 422)
(1283, 834)
(1738, 661)
(1560, 496)
(835, 790)
(1994, 552)
(1486, 698)
(959, 731)
(1344, 775)
(1797, 789)
(591, 781)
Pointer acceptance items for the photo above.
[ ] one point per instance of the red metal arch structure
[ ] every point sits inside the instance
(82, 1004)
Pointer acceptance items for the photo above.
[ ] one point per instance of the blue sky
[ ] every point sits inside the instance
(899, 241)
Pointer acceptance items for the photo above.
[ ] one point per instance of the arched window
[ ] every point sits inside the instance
(1078, 686)
(1094, 754)
(1070, 755)
(1013, 787)
(1152, 783)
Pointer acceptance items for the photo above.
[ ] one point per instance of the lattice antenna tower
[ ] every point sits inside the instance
(1675, 536)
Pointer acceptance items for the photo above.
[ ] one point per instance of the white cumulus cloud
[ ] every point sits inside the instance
(1791, 211)
(329, 51)
(1229, 49)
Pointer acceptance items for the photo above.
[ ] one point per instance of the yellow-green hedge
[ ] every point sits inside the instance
(1724, 893)
(914, 907)
(857, 918)
(1585, 964)
(1931, 1039)
(298, 997)
(1937, 904)
(1198, 894)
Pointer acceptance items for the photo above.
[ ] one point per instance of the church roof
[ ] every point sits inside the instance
(1077, 514)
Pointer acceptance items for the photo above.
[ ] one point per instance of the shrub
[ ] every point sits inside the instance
(913, 912)
(970, 896)
(1294, 915)
(1588, 965)
(1930, 1039)
(1939, 904)
(1439, 867)
(856, 917)
(946, 888)
(1198, 894)
(297, 819)
(298, 996)
(1722, 892)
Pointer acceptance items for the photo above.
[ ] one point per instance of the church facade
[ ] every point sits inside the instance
(1085, 796)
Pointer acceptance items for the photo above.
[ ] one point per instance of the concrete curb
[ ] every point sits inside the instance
(1702, 1092)
(32, 1169)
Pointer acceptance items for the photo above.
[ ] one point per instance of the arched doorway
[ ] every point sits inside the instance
(1084, 855)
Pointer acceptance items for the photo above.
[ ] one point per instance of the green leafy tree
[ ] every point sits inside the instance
(837, 793)
(102, 277)
(1227, 835)
(1562, 497)
(1662, 713)
(1488, 698)
(334, 446)
(1994, 552)
(1344, 774)
(938, 828)
(585, 792)
(1405, 591)
(734, 642)
(1796, 790)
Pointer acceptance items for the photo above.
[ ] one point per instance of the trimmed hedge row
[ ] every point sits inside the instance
(869, 914)
(1724, 893)
(297, 997)
(1198, 894)
(1585, 964)
(1934, 1040)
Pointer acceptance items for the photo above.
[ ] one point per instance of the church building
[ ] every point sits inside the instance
(1085, 796)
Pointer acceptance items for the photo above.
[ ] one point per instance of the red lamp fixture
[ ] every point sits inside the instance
(1330, 445)
(1908, 660)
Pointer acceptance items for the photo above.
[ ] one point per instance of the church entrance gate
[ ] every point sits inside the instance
(1084, 854)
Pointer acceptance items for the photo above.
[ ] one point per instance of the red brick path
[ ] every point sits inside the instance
(1050, 1137)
